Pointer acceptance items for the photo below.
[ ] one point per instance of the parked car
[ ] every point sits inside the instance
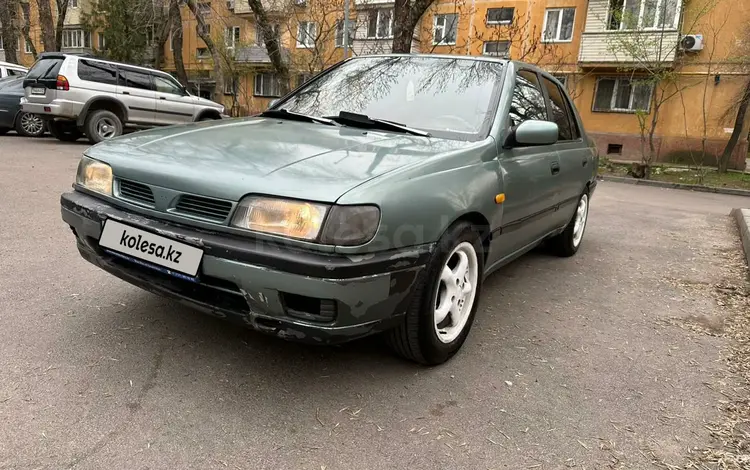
(11, 116)
(375, 198)
(9, 69)
(100, 98)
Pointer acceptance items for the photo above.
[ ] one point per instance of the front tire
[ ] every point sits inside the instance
(569, 241)
(30, 125)
(102, 125)
(64, 131)
(444, 305)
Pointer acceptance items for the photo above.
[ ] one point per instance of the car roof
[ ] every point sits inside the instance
(478, 58)
(12, 65)
(63, 55)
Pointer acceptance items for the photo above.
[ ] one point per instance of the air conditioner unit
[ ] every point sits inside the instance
(692, 42)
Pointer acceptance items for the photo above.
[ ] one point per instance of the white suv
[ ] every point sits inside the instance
(79, 95)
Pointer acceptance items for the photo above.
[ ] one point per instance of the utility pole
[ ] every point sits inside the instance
(346, 29)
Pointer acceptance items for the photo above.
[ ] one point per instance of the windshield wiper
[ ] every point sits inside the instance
(292, 116)
(366, 122)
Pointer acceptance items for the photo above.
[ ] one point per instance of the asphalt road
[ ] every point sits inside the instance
(581, 362)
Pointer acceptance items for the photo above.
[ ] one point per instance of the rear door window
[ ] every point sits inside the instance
(45, 68)
(95, 71)
(135, 79)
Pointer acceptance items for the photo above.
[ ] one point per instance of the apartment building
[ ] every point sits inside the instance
(609, 53)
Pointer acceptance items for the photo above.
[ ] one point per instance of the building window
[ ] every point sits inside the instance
(230, 86)
(27, 47)
(380, 24)
(205, 29)
(202, 53)
(76, 38)
(445, 29)
(232, 37)
(306, 34)
(230, 4)
(500, 15)
(267, 84)
(496, 48)
(558, 24)
(626, 15)
(622, 95)
(204, 9)
(72, 3)
(102, 42)
(259, 34)
(340, 33)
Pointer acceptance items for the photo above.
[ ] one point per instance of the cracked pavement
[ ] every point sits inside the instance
(572, 363)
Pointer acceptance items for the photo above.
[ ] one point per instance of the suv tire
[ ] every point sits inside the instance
(102, 125)
(419, 337)
(64, 131)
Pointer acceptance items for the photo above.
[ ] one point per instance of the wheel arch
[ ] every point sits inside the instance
(110, 104)
(213, 113)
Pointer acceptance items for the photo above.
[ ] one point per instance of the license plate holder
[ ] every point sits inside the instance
(151, 248)
(38, 91)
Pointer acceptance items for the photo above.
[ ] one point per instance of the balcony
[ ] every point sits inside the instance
(256, 55)
(241, 7)
(636, 36)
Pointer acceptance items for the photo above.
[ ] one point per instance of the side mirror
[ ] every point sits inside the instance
(532, 133)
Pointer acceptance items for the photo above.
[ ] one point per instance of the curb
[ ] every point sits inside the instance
(665, 184)
(742, 216)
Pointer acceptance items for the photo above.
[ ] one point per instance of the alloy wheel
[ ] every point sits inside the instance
(456, 292)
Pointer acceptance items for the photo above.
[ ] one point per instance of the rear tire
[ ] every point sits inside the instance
(568, 242)
(30, 125)
(102, 125)
(64, 131)
(420, 337)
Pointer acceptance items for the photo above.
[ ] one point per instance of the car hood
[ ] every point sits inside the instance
(204, 102)
(231, 158)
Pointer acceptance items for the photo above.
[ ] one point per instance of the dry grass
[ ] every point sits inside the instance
(705, 176)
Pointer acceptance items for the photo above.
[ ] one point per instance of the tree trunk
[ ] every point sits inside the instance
(176, 20)
(9, 12)
(739, 126)
(62, 10)
(26, 26)
(406, 16)
(215, 54)
(271, 42)
(46, 25)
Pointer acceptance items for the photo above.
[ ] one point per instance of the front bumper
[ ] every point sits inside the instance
(254, 282)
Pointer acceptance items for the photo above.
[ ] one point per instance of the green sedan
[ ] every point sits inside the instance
(375, 198)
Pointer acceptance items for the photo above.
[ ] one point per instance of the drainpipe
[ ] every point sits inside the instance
(346, 29)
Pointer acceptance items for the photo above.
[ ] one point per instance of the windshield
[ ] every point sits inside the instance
(453, 98)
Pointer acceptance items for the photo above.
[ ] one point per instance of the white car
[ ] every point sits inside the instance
(8, 69)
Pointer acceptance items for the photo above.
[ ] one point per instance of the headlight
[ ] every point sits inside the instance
(351, 225)
(294, 219)
(94, 175)
(344, 225)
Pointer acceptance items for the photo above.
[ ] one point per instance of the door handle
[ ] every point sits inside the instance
(585, 161)
(125, 92)
(555, 167)
(162, 98)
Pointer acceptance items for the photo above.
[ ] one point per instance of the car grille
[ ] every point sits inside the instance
(203, 207)
(136, 192)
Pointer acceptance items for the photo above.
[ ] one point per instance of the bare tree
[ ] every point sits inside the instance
(654, 62)
(204, 34)
(271, 41)
(406, 14)
(62, 11)
(46, 24)
(175, 19)
(26, 27)
(9, 17)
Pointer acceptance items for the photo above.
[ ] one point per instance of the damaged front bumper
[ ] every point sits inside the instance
(301, 295)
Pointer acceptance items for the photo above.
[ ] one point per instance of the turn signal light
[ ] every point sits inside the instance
(62, 83)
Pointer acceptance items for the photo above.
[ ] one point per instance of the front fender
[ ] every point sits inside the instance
(419, 203)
